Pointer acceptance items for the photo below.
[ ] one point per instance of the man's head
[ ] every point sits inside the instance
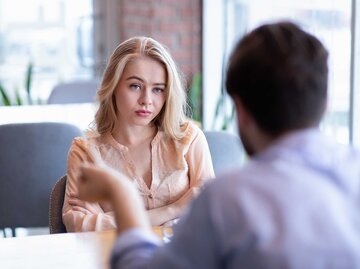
(279, 74)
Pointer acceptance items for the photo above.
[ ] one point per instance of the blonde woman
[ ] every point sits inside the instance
(140, 130)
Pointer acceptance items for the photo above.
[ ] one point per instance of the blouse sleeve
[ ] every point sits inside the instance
(76, 221)
(200, 170)
(199, 160)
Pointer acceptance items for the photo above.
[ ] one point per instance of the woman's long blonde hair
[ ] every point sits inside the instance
(172, 115)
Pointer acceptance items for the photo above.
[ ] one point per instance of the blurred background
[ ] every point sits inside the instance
(44, 43)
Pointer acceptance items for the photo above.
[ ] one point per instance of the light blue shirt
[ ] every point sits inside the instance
(295, 205)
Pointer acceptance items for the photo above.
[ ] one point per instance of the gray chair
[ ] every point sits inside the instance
(55, 207)
(226, 150)
(74, 92)
(32, 157)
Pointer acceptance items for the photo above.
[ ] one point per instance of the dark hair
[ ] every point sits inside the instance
(279, 72)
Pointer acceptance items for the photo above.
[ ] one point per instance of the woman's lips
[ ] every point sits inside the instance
(143, 113)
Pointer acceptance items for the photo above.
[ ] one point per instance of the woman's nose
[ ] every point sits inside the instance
(145, 98)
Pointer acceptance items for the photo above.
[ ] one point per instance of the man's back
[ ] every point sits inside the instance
(296, 205)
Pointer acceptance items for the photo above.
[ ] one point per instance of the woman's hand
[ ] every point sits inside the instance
(84, 207)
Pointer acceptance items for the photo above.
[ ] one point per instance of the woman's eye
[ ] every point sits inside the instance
(158, 90)
(135, 86)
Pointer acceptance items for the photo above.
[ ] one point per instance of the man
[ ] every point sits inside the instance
(294, 204)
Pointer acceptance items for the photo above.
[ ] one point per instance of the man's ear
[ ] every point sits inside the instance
(242, 113)
(325, 109)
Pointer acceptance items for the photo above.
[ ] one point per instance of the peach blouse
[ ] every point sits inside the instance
(179, 169)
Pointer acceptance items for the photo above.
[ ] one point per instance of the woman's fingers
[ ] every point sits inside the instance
(73, 195)
(82, 210)
(76, 202)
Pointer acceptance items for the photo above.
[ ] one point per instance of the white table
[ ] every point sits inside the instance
(89, 250)
(80, 115)
(72, 250)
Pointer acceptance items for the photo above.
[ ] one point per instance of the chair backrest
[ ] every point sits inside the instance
(32, 157)
(74, 92)
(55, 207)
(225, 149)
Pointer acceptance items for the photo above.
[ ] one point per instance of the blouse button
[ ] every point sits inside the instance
(150, 196)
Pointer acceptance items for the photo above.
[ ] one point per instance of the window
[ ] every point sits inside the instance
(54, 36)
(329, 20)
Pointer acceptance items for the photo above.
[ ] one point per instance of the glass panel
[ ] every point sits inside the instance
(330, 21)
(54, 36)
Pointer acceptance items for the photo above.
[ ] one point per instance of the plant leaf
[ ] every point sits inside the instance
(18, 100)
(28, 81)
(195, 97)
(4, 96)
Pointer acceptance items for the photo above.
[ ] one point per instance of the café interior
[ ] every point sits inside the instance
(52, 58)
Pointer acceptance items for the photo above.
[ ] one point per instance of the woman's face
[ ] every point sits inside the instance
(140, 94)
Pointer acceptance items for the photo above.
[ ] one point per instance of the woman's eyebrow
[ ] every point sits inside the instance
(160, 84)
(140, 79)
(135, 77)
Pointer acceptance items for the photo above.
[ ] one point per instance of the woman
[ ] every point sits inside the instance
(140, 130)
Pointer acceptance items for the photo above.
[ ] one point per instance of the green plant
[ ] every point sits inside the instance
(4, 96)
(6, 100)
(18, 99)
(225, 110)
(28, 80)
(224, 113)
(195, 96)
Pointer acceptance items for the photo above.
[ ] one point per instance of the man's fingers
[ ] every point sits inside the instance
(87, 170)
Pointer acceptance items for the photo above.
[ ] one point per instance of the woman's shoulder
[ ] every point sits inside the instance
(190, 126)
(191, 131)
(86, 141)
(78, 141)
(85, 148)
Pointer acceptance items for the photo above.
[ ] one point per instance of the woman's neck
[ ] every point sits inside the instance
(133, 136)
